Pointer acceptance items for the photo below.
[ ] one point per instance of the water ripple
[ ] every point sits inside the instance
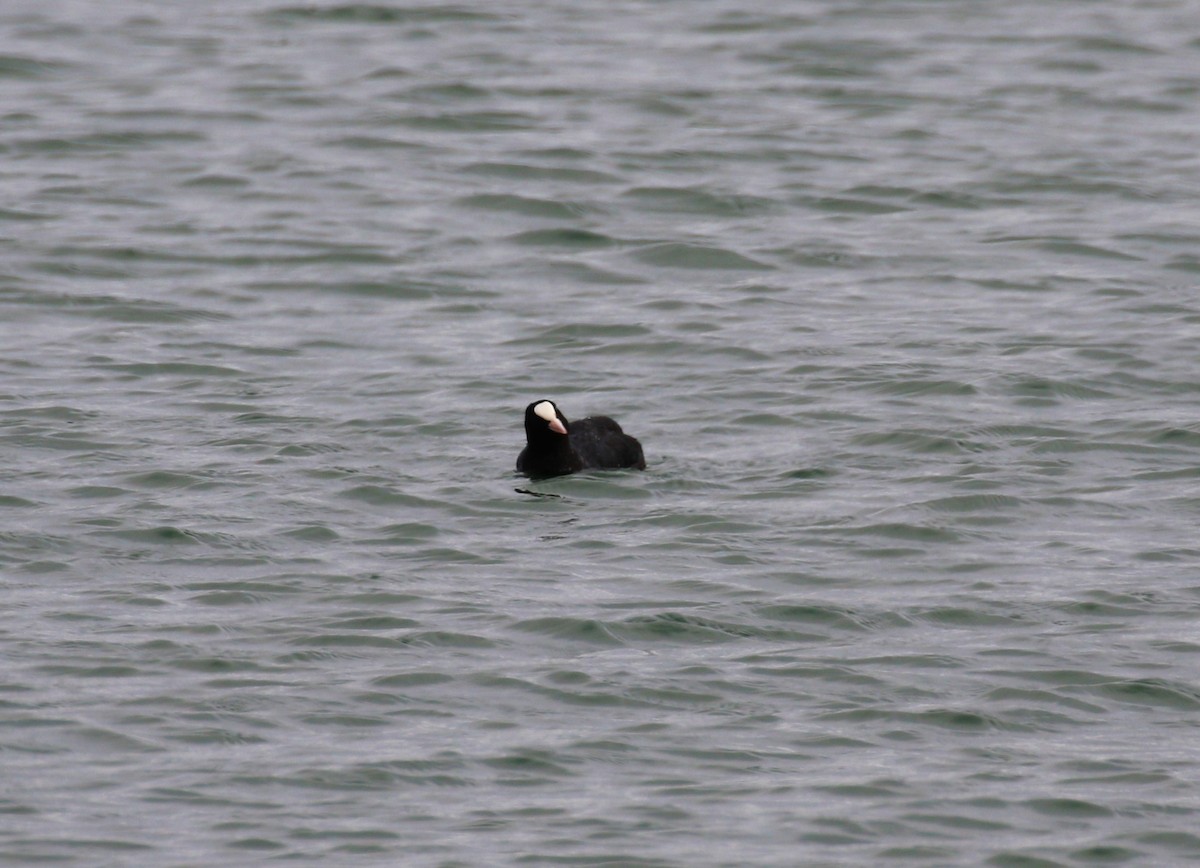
(896, 298)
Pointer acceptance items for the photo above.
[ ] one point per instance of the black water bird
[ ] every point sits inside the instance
(554, 446)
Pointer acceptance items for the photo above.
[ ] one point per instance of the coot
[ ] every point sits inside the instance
(554, 446)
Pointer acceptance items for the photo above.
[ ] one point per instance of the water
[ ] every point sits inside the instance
(900, 298)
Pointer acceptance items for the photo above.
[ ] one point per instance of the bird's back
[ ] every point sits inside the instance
(600, 442)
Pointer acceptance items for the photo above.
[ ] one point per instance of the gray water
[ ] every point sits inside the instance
(901, 298)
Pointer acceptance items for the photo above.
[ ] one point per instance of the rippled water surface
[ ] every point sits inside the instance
(901, 298)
